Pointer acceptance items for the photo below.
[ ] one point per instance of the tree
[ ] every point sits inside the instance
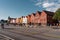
(57, 15)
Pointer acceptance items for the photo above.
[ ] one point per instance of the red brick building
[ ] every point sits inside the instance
(41, 18)
(46, 17)
(37, 17)
(32, 18)
(29, 19)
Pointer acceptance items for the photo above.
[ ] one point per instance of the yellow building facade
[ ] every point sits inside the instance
(21, 20)
(17, 21)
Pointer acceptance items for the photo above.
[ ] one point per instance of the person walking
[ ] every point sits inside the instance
(2, 24)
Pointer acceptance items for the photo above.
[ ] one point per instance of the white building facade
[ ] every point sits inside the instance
(24, 20)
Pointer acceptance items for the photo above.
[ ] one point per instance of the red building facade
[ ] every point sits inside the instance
(33, 18)
(46, 17)
(37, 17)
(41, 18)
(29, 19)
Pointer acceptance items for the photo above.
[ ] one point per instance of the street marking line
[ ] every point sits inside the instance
(6, 37)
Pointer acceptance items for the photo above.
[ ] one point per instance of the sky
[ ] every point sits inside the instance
(18, 8)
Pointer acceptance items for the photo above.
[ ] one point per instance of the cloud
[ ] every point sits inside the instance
(53, 7)
(45, 5)
(37, 4)
(50, 5)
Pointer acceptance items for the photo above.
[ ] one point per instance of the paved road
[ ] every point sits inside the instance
(17, 36)
(2, 37)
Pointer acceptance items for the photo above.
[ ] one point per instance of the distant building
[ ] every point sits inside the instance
(37, 17)
(21, 20)
(40, 18)
(29, 19)
(12, 20)
(18, 20)
(46, 17)
(33, 18)
(24, 19)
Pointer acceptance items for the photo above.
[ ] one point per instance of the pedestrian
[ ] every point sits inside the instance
(2, 24)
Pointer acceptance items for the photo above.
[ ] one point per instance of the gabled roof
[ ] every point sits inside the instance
(33, 14)
(19, 18)
(49, 13)
(29, 15)
(38, 12)
(23, 16)
(12, 18)
(26, 16)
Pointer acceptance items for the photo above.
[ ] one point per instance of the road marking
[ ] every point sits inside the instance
(6, 37)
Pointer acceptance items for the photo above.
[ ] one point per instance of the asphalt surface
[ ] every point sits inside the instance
(2, 38)
(10, 31)
(17, 36)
